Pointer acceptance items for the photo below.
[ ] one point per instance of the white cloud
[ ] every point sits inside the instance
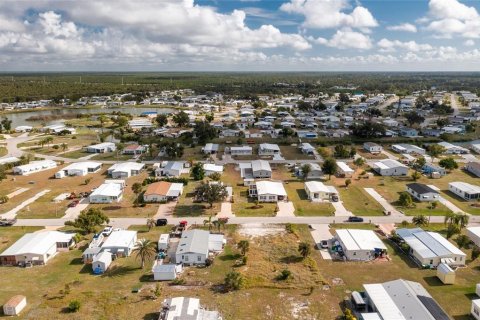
(469, 43)
(344, 39)
(390, 46)
(324, 14)
(406, 27)
(448, 18)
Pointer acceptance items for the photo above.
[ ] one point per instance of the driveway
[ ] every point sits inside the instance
(226, 210)
(389, 155)
(165, 210)
(384, 203)
(321, 232)
(446, 202)
(13, 213)
(72, 213)
(285, 209)
(17, 192)
(340, 210)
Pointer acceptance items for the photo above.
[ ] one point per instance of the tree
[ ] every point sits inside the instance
(416, 175)
(304, 248)
(4, 199)
(448, 163)
(161, 120)
(434, 150)
(434, 205)
(181, 119)
(233, 281)
(89, 220)
(243, 246)
(197, 171)
(463, 241)
(349, 315)
(121, 121)
(359, 161)
(414, 118)
(344, 98)
(452, 229)
(211, 193)
(64, 146)
(7, 124)
(304, 106)
(285, 274)
(329, 167)
(216, 176)
(419, 163)
(145, 250)
(87, 181)
(204, 131)
(405, 200)
(209, 117)
(368, 129)
(341, 152)
(348, 182)
(373, 112)
(286, 132)
(306, 169)
(420, 220)
(137, 188)
(151, 224)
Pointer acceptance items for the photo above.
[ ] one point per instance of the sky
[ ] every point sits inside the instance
(239, 35)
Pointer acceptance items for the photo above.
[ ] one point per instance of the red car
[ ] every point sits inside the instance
(73, 203)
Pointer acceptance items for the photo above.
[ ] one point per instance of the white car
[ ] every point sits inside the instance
(107, 230)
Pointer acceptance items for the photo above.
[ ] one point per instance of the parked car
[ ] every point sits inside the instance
(7, 222)
(334, 198)
(355, 219)
(107, 230)
(161, 222)
(73, 204)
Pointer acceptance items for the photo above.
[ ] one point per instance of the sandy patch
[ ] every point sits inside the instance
(260, 229)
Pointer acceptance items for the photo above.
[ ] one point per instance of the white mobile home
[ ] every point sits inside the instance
(101, 147)
(466, 191)
(408, 149)
(343, 170)
(15, 305)
(107, 193)
(429, 248)
(307, 148)
(79, 169)
(422, 192)
(193, 247)
(171, 169)
(240, 151)
(163, 191)
(163, 242)
(473, 168)
(389, 167)
(120, 242)
(474, 234)
(267, 191)
(268, 149)
(317, 191)
(34, 166)
(361, 245)
(372, 147)
(125, 169)
(211, 168)
(36, 248)
(255, 169)
(165, 272)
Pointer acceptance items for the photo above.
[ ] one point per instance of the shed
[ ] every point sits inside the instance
(475, 311)
(445, 273)
(163, 241)
(15, 305)
(101, 262)
(165, 272)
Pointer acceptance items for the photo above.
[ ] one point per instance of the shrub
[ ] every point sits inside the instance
(285, 274)
(74, 306)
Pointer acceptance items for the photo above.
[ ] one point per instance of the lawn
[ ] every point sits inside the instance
(3, 151)
(186, 207)
(110, 156)
(76, 154)
(294, 153)
(424, 208)
(358, 201)
(303, 206)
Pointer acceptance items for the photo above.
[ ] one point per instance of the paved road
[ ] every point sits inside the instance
(454, 104)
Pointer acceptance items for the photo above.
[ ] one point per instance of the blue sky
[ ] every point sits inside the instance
(239, 35)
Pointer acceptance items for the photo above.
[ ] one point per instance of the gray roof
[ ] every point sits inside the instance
(174, 165)
(194, 241)
(421, 188)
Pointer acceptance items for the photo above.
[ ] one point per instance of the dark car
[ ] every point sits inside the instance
(355, 219)
(161, 222)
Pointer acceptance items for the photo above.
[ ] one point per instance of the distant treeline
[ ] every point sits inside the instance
(27, 87)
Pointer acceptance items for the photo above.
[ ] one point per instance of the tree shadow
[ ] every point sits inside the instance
(146, 278)
(291, 259)
(76, 261)
(302, 194)
(433, 281)
(151, 316)
(116, 271)
(230, 257)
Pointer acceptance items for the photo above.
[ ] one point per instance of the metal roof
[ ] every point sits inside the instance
(354, 239)
(195, 241)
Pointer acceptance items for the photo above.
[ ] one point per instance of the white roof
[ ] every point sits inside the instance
(246, 148)
(121, 238)
(102, 145)
(37, 243)
(384, 303)
(270, 187)
(316, 186)
(344, 167)
(108, 189)
(34, 165)
(104, 256)
(307, 146)
(175, 190)
(213, 167)
(269, 146)
(448, 145)
(465, 187)
(388, 164)
(82, 165)
(474, 230)
(164, 237)
(354, 239)
(8, 160)
(126, 166)
(261, 165)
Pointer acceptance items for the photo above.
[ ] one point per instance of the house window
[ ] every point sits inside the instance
(354, 253)
(431, 261)
(185, 258)
(199, 258)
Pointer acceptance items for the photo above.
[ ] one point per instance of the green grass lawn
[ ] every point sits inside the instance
(359, 202)
(294, 153)
(76, 154)
(3, 151)
(303, 206)
(113, 156)
(186, 207)
(424, 208)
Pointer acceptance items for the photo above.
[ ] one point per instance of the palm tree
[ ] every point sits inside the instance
(420, 220)
(305, 249)
(145, 250)
(243, 245)
(150, 224)
(64, 146)
(208, 222)
(463, 241)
